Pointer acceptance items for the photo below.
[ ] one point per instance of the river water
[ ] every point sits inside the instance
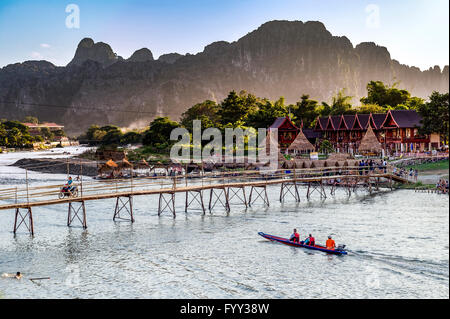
(398, 248)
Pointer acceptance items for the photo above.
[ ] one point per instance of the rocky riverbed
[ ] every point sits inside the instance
(73, 166)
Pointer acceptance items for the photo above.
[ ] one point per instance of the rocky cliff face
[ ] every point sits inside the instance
(141, 55)
(280, 58)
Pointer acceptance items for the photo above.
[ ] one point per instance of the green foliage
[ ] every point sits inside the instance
(326, 147)
(31, 119)
(306, 110)
(435, 115)
(236, 107)
(131, 138)
(46, 133)
(15, 134)
(207, 112)
(384, 95)
(433, 166)
(266, 113)
(159, 132)
(341, 104)
(370, 108)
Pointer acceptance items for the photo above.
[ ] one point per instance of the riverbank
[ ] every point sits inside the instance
(72, 166)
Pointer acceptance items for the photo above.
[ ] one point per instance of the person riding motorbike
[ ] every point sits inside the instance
(68, 187)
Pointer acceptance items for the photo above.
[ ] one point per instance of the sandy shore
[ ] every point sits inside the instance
(432, 177)
(58, 166)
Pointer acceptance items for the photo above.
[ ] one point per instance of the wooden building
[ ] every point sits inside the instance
(396, 130)
(287, 132)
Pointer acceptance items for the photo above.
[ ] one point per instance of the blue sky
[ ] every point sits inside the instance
(415, 32)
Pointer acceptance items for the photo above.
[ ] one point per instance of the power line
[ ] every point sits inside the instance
(81, 107)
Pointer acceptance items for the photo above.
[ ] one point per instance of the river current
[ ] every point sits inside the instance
(398, 247)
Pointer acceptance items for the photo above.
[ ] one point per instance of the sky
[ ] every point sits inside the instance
(416, 32)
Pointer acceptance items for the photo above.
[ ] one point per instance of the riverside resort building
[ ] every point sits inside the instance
(391, 132)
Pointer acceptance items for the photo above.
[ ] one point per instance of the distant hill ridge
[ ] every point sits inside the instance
(280, 58)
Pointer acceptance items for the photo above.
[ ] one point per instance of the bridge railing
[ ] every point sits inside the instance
(29, 193)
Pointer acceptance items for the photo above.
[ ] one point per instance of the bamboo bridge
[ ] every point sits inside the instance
(222, 187)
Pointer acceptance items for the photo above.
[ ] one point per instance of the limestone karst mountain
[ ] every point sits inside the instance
(280, 58)
(141, 55)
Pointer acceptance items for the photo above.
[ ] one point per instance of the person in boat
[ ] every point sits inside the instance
(295, 237)
(330, 243)
(310, 241)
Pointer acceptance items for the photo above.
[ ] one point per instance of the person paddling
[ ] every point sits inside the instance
(295, 237)
(309, 241)
(330, 243)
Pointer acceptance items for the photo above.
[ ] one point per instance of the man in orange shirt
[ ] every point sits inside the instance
(330, 243)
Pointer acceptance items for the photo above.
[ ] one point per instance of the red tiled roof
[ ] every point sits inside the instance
(42, 125)
(321, 123)
(280, 121)
(378, 119)
(364, 120)
(406, 118)
(349, 120)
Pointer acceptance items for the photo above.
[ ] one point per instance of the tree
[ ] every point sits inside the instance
(384, 95)
(266, 113)
(306, 110)
(46, 133)
(435, 115)
(207, 112)
(131, 138)
(31, 119)
(159, 131)
(370, 108)
(341, 104)
(236, 107)
(112, 137)
(326, 147)
(324, 109)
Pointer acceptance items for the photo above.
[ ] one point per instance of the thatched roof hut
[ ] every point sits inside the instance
(351, 163)
(300, 144)
(341, 163)
(111, 164)
(369, 142)
(306, 164)
(339, 156)
(125, 163)
(143, 164)
(317, 164)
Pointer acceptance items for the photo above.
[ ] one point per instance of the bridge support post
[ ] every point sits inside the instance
(333, 186)
(261, 193)
(167, 203)
(351, 186)
(197, 196)
(120, 205)
(212, 204)
(316, 186)
(72, 213)
(235, 190)
(286, 188)
(22, 219)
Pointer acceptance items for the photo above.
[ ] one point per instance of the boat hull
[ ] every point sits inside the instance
(300, 245)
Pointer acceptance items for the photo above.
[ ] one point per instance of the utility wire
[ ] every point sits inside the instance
(93, 108)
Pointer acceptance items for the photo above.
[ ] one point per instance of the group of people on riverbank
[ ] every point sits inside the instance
(412, 174)
(442, 186)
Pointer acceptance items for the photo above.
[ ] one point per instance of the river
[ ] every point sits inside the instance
(398, 248)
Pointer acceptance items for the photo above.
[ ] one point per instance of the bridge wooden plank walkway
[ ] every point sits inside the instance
(314, 179)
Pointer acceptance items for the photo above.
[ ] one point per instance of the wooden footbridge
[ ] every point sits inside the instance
(222, 187)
